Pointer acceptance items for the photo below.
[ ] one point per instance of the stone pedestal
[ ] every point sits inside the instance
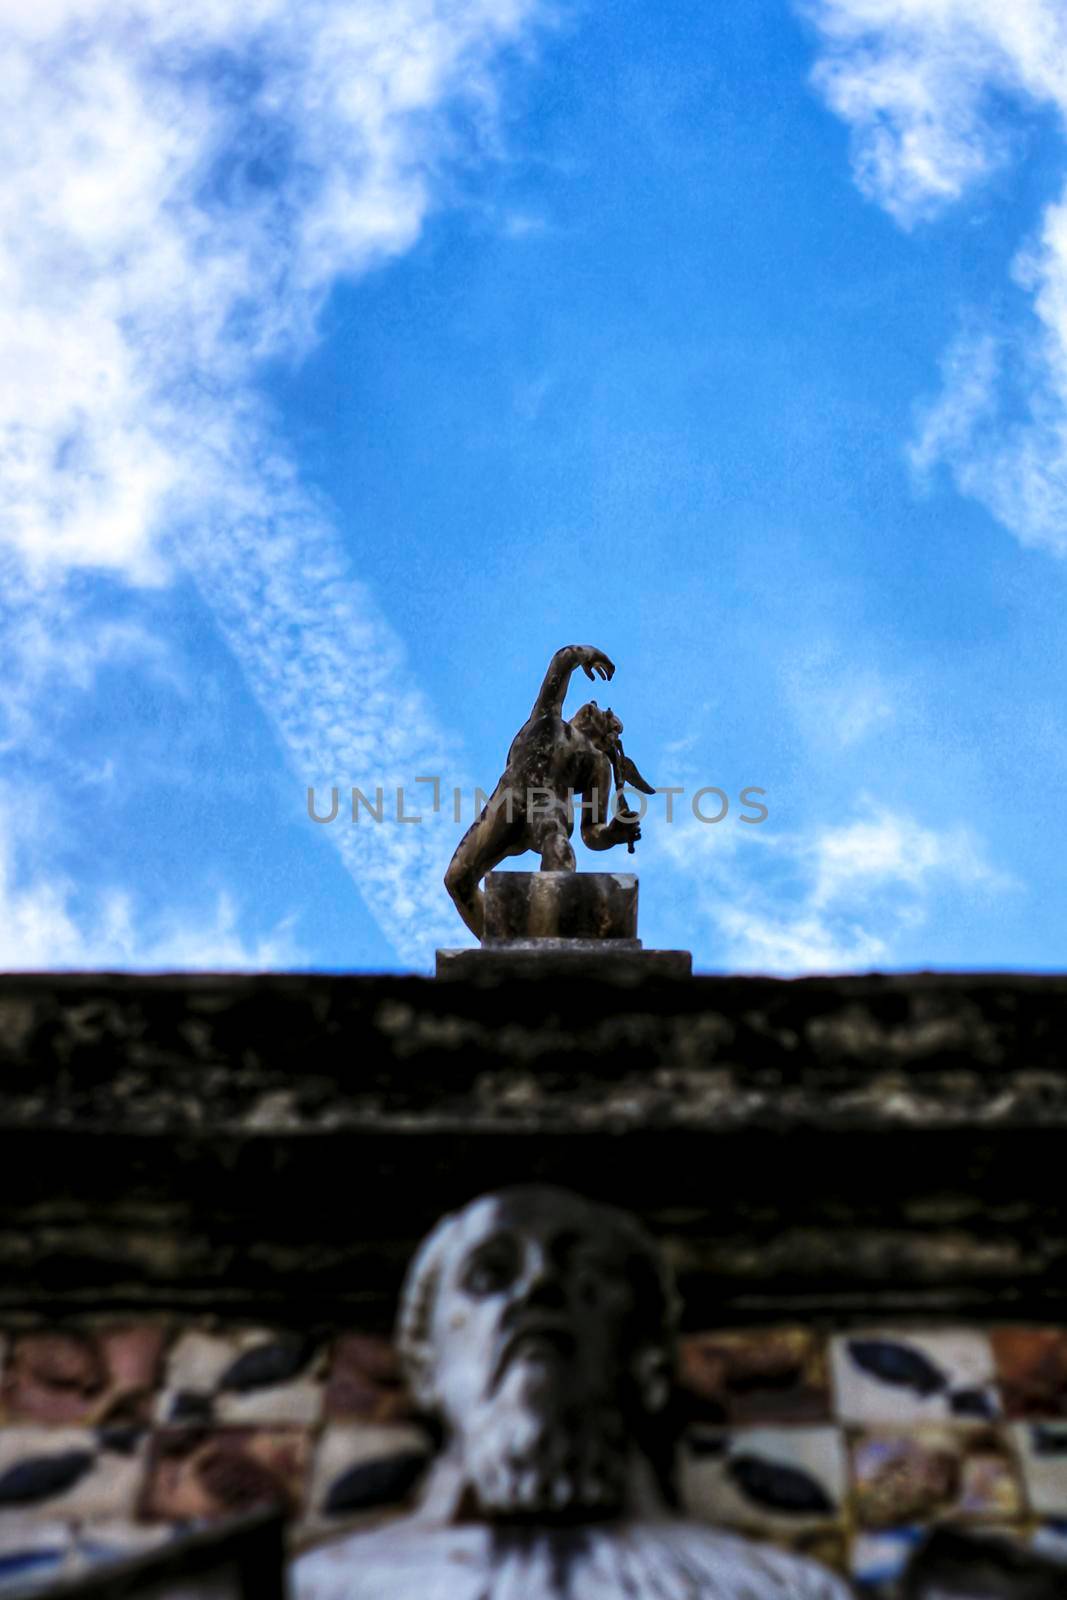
(570, 923)
(560, 905)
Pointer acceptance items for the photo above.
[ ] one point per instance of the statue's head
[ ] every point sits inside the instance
(539, 1328)
(601, 727)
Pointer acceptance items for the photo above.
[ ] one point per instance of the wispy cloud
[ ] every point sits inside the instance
(924, 85)
(836, 898)
(838, 701)
(183, 187)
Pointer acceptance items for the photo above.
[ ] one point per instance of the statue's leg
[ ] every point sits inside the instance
(483, 846)
(551, 837)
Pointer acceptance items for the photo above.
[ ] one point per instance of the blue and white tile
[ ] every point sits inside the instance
(764, 1480)
(899, 1376)
(879, 1558)
(248, 1376)
(32, 1553)
(364, 1472)
(1042, 1450)
(56, 1474)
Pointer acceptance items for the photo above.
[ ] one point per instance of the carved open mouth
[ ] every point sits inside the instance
(535, 1339)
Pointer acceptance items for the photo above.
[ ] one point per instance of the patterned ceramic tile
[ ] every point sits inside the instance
(829, 1546)
(251, 1376)
(71, 1375)
(878, 1559)
(365, 1470)
(1032, 1370)
(1042, 1448)
(118, 1541)
(57, 1473)
(1050, 1538)
(769, 1375)
(238, 1409)
(364, 1381)
(214, 1472)
(922, 1474)
(32, 1553)
(899, 1376)
(764, 1479)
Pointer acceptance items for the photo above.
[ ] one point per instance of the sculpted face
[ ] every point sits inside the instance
(535, 1353)
(531, 1296)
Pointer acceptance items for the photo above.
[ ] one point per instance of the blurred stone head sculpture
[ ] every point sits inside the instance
(538, 1328)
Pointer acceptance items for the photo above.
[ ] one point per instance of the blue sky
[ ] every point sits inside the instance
(358, 356)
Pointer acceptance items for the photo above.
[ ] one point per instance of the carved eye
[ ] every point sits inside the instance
(492, 1267)
(590, 1267)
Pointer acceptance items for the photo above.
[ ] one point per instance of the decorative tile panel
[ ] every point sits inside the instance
(846, 1447)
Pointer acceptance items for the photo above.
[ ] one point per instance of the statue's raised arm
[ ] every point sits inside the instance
(594, 663)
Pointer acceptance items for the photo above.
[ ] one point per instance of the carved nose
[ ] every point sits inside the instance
(542, 1286)
(545, 1293)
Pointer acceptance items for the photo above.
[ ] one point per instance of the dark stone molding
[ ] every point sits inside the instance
(274, 1145)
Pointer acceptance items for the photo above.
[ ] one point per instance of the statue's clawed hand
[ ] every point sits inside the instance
(595, 663)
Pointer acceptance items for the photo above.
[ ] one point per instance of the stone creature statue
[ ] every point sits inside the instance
(537, 1328)
(550, 761)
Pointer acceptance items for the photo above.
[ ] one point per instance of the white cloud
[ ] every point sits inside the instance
(45, 925)
(838, 899)
(924, 84)
(917, 80)
(182, 187)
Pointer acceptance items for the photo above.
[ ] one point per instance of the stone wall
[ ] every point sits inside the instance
(272, 1146)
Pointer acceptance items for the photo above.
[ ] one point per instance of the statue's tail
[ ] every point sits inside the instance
(626, 773)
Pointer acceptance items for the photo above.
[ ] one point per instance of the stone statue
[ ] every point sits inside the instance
(550, 761)
(538, 1328)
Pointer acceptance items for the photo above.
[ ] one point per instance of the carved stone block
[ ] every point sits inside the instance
(560, 905)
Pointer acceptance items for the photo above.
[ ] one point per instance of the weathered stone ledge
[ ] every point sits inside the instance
(273, 1145)
(284, 1052)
